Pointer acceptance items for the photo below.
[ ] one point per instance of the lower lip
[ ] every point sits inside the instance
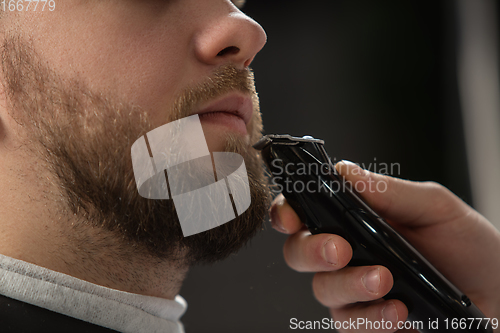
(226, 119)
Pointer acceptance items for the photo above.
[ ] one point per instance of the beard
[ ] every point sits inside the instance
(83, 138)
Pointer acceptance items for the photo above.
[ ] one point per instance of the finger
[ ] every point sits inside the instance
(411, 203)
(304, 252)
(382, 316)
(283, 217)
(351, 285)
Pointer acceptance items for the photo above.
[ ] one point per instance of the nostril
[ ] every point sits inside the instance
(228, 50)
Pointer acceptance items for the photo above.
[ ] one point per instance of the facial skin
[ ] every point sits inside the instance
(80, 85)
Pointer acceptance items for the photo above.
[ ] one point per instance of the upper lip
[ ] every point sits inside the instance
(237, 104)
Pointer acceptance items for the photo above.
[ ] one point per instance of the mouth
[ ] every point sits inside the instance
(233, 112)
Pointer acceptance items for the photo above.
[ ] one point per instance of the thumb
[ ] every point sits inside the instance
(415, 204)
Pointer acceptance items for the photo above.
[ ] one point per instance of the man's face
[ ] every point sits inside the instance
(144, 51)
(89, 78)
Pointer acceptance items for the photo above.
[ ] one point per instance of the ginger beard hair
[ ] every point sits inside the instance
(83, 138)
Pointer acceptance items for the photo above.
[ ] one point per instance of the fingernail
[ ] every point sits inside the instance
(371, 280)
(275, 219)
(354, 169)
(390, 313)
(330, 253)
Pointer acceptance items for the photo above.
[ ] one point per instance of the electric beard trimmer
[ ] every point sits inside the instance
(326, 203)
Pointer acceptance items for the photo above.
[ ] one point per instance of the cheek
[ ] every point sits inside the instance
(142, 64)
(142, 72)
(146, 73)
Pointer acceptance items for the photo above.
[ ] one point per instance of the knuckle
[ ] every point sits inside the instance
(445, 203)
(314, 246)
(433, 186)
(297, 252)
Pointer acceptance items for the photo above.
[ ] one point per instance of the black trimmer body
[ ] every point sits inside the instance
(326, 203)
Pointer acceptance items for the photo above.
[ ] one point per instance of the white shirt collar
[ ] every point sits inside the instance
(114, 309)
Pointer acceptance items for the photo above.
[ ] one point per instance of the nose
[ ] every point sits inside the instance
(231, 38)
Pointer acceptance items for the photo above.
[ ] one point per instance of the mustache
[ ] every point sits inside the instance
(223, 80)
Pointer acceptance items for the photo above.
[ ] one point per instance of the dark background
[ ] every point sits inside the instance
(375, 80)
